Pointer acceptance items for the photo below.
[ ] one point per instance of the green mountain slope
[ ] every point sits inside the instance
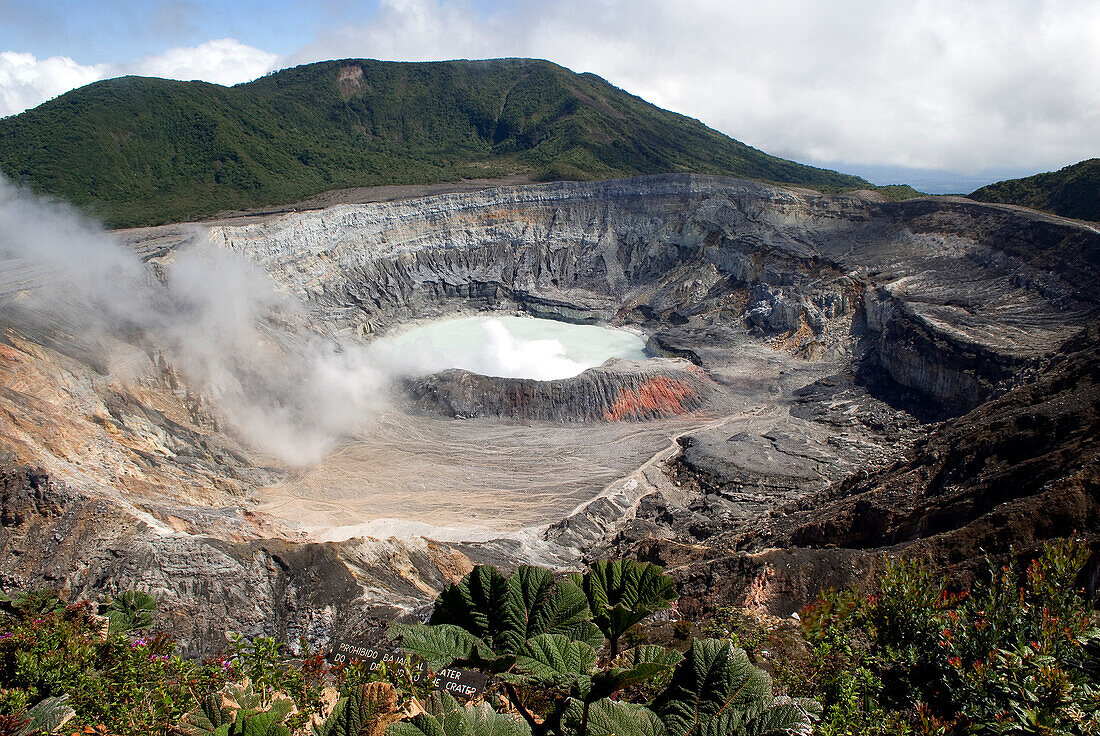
(140, 150)
(1071, 192)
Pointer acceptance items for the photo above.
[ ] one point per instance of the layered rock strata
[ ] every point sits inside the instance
(954, 295)
(617, 391)
(84, 546)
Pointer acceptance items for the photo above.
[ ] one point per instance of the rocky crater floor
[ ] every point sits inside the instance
(840, 378)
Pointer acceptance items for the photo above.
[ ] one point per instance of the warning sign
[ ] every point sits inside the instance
(466, 683)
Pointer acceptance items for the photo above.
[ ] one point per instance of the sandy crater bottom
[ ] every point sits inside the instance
(482, 478)
(458, 479)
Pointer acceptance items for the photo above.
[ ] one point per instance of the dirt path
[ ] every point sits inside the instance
(638, 484)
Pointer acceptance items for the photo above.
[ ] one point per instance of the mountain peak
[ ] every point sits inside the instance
(139, 150)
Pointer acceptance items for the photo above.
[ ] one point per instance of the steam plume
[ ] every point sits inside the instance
(287, 390)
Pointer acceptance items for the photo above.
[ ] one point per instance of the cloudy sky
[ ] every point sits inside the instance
(944, 94)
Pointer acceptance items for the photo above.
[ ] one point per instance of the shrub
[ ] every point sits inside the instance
(1011, 655)
(136, 685)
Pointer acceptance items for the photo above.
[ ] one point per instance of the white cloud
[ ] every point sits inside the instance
(26, 81)
(223, 61)
(927, 83)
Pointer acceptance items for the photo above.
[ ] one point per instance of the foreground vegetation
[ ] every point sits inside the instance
(139, 151)
(585, 655)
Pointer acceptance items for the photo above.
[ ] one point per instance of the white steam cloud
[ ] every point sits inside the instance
(221, 61)
(511, 347)
(218, 320)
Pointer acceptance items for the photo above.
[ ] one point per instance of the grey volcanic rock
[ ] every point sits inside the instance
(88, 547)
(619, 390)
(1011, 474)
(771, 310)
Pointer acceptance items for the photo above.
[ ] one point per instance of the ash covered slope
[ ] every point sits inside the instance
(143, 151)
(1017, 470)
(1022, 467)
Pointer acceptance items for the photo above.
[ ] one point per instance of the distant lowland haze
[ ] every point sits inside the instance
(940, 95)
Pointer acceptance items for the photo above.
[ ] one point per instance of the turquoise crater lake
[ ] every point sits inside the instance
(508, 346)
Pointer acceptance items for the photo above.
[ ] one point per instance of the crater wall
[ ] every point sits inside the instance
(614, 392)
(951, 296)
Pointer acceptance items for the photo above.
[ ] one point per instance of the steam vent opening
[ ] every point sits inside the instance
(510, 347)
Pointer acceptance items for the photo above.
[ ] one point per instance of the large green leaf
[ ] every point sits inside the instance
(634, 667)
(421, 724)
(505, 612)
(572, 616)
(480, 604)
(363, 711)
(34, 604)
(206, 717)
(532, 591)
(611, 718)
(443, 716)
(48, 715)
(131, 611)
(441, 644)
(250, 717)
(715, 690)
(553, 606)
(246, 696)
(484, 721)
(539, 604)
(648, 654)
(621, 593)
(785, 717)
(268, 723)
(553, 656)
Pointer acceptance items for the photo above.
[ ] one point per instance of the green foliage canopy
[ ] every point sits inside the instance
(139, 151)
(535, 631)
(1073, 191)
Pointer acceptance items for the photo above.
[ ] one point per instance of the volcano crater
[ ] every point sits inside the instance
(801, 338)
